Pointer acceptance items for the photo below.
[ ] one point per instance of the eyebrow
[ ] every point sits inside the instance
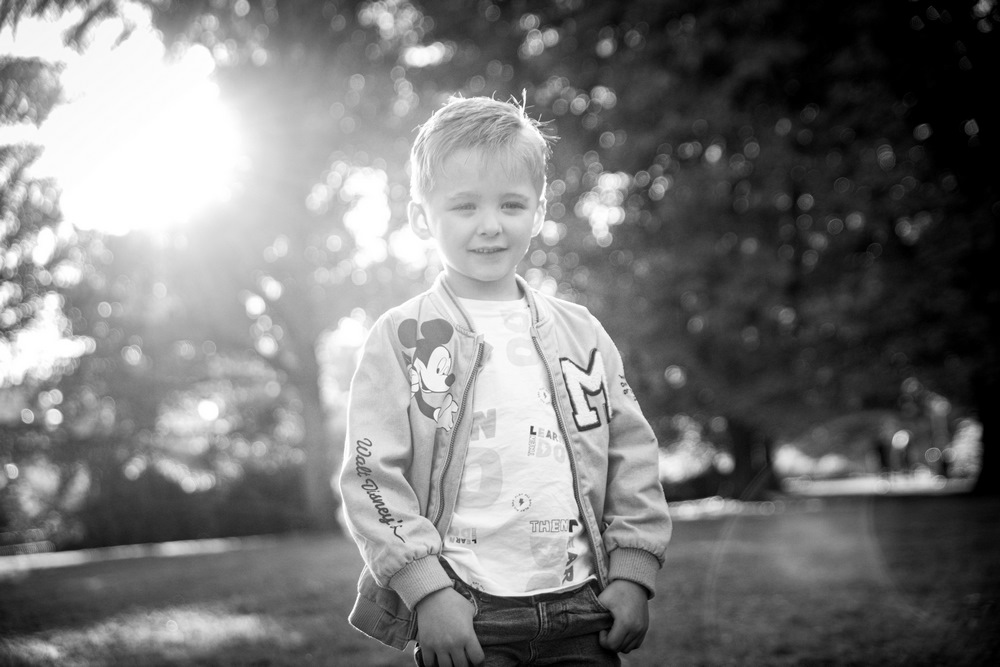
(470, 194)
(465, 194)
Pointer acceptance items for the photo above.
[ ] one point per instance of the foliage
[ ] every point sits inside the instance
(35, 250)
(107, 437)
(783, 213)
(39, 261)
(782, 206)
(306, 247)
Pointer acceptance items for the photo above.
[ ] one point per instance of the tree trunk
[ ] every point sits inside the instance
(986, 382)
(988, 482)
(322, 461)
(753, 476)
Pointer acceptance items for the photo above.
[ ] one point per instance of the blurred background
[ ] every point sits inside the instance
(785, 213)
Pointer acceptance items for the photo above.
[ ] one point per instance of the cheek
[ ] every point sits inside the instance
(525, 236)
(452, 238)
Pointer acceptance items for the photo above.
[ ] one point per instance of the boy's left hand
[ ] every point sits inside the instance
(628, 603)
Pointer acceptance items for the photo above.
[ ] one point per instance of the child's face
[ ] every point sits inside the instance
(482, 219)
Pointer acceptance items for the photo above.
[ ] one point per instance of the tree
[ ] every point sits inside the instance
(32, 243)
(305, 246)
(274, 277)
(82, 422)
(787, 200)
(762, 185)
(945, 77)
(39, 260)
(783, 214)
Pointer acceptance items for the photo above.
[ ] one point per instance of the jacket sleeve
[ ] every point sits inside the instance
(637, 522)
(398, 544)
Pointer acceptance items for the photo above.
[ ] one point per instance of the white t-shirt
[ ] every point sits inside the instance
(516, 528)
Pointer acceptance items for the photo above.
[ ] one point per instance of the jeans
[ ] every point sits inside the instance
(548, 629)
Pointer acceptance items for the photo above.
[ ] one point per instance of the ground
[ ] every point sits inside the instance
(824, 581)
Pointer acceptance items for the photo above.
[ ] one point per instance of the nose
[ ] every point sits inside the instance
(489, 224)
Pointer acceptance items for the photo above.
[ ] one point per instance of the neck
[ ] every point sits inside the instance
(466, 288)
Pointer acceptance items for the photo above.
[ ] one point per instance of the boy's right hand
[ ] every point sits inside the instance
(444, 630)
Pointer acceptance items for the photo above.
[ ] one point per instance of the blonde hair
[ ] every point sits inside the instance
(501, 130)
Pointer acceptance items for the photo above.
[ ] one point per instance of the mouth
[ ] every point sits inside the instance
(487, 251)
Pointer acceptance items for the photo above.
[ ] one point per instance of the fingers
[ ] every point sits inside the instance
(632, 642)
(634, 639)
(471, 656)
(475, 652)
(627, 603)
(614, 639)
(621, 639)
(434, 660)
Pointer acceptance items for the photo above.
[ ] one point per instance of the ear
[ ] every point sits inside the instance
(436, 331)
(536, 226)
(418, 220)
(407, 333)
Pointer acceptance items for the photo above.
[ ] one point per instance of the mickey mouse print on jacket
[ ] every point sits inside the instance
(430, 368)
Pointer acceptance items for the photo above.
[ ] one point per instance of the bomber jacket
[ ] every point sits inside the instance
(408, 428)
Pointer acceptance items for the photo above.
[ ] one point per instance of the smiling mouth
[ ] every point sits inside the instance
(487, 251)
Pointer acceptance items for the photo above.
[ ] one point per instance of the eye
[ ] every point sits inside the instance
(464, 207)
(515, 205)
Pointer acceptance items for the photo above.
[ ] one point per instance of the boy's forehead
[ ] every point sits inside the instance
(464, 162)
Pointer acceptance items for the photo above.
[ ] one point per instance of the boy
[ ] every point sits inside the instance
(499, 479)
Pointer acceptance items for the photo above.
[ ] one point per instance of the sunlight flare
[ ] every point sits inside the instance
(143, 140)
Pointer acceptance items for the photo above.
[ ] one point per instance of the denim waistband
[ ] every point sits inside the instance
(536, 598)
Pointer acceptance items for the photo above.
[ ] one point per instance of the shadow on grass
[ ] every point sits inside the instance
(905, 581)
(280, 604)
(861, 580)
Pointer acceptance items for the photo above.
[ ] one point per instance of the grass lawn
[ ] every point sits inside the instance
(838, 581)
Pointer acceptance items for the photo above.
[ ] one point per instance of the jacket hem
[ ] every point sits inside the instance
(373, 621)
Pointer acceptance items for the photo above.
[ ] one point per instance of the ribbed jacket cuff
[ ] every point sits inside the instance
(636, 565)
(419, 579)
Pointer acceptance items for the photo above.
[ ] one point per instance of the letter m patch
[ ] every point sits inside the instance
(583, 383)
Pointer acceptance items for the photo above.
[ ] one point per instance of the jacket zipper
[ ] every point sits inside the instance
(572, 458)
(454, 430)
